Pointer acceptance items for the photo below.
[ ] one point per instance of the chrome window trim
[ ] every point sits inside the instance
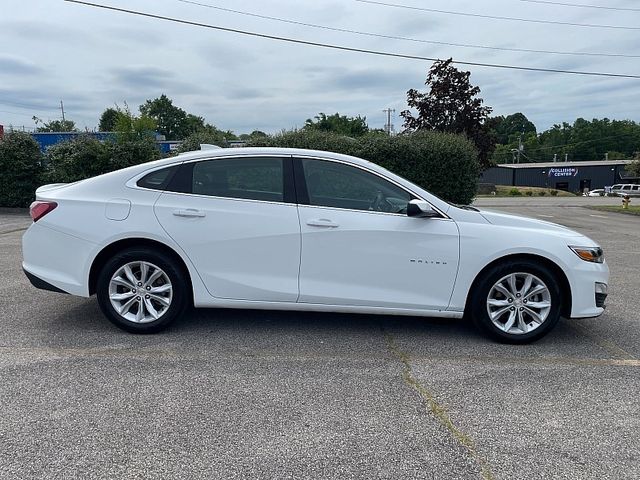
(132, 182)
(235, 199)
(368, 170)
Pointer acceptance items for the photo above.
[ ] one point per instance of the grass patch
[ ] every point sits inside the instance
(632, 210)
(510, 191)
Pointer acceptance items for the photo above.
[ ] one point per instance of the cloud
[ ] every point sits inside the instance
(17, 66)
(92, 58)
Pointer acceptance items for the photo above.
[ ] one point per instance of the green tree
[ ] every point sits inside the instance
(20, 164)
(451, 105)
(253, 136)
(129, 127)
(54, 125)
(108, 119)
(172, 121)
(583, 140)
(336, 123)
(510, 127)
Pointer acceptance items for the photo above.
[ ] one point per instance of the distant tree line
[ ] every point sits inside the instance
(447, 130)
(583, 140)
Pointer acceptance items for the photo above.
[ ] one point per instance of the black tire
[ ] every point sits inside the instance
(180, 298)
(482, 287)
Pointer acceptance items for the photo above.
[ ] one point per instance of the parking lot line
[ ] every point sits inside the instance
(608, 345)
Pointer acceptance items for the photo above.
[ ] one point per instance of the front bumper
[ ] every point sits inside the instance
(589, 289)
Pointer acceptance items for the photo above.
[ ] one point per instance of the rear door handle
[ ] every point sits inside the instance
(322, 222)
(189, 212)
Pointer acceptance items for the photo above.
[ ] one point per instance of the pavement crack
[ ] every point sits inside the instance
(436, 409)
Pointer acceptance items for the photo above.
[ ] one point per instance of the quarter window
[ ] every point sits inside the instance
(247, 178)
(157, 180)
(332, 184)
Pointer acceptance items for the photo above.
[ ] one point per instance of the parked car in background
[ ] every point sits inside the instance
(290, 229)
(598, 192)
(622, 189)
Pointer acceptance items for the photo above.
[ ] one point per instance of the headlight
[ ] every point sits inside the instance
(589, 254)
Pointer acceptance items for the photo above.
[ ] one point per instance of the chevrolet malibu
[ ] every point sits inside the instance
(289, 229)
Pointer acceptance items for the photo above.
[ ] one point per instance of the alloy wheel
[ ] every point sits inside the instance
(518, 303)
(140, 292)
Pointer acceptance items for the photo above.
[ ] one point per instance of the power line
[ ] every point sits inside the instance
(394, 37)
(15, 113)
(497, 17)
(349, 49)
(23, 105)
(583, 5)
(572, 144)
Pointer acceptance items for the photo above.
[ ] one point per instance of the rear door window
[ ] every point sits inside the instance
(259, 178)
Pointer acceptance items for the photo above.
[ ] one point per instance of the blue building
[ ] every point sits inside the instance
(47, 139)
(570, 176)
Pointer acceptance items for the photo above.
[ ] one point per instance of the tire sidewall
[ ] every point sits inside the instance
(179, 300)
(482, 288)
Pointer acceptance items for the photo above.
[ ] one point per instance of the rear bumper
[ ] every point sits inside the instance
(41, 284)
(56, 261)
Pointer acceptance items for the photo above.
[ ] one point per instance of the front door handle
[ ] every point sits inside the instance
(322, 222)
(189, 212)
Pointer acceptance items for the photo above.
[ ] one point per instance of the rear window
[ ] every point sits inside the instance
(159, 179)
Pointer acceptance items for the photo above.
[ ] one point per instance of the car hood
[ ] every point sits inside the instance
(507, 220)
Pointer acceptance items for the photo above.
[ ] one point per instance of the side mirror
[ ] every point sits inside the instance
(421, 209)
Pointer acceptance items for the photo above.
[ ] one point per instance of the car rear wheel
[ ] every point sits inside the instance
(142, 291)
(516, 301)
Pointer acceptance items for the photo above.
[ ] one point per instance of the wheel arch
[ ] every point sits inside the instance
(109, 250)
(563, 281)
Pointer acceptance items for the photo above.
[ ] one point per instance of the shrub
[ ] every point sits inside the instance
(312, 140)
(528, 193)
(515, 192)
(445, 164)
(86, 157)
(20, 164)
(553, 193)
(542, 193)
(76, 159)
(124, 154)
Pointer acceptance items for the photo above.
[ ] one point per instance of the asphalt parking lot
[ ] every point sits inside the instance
(253, 394)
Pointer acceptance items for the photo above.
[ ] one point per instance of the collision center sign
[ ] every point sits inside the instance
(563, 172)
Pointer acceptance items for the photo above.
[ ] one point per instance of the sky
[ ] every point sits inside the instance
(92, 58)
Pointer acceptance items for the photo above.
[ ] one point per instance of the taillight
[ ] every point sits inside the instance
(40, 209)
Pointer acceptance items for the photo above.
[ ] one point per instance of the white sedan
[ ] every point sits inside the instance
(289, 229)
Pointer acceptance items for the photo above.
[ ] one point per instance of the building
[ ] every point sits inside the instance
(47, 139)
(569, 176)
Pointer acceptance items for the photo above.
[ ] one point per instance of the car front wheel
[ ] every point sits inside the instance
(141, 291)
(516, 302)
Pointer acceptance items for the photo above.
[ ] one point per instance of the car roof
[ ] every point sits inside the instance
(247, 151)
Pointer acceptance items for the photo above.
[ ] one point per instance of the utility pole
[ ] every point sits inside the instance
(62, 108)
(520, 147)
(388, 127)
